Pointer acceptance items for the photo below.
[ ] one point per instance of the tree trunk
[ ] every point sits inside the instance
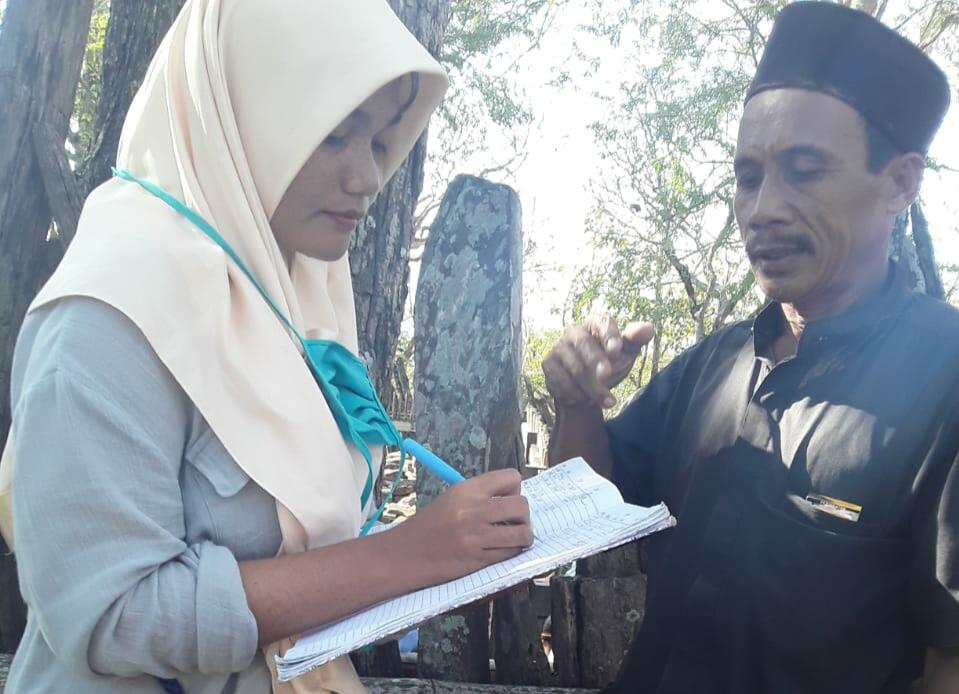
(466, 403)
(134, 32)
(45, 46)
(380, 251)
(925, 256)
(41, 51)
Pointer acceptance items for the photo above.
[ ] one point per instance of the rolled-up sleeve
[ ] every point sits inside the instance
(98, 522)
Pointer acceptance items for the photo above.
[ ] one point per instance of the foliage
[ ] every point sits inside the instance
(663, 218)
(536, 345)
(484, 110)
(88, 89)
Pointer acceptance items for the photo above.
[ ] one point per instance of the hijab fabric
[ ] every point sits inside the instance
(237, 98)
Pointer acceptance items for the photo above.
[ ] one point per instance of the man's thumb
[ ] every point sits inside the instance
(636, 336)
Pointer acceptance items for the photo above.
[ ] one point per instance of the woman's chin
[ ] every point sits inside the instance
(329, 251)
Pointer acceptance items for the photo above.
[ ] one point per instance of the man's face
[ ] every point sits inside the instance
(814, 220)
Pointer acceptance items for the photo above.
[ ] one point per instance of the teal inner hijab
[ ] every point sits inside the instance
(341, 376)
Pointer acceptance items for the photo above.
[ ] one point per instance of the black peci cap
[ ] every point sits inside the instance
(825, 47)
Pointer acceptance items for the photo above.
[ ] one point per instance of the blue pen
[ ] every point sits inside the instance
(432, 462)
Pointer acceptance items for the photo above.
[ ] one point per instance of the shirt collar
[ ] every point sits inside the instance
(858, 319)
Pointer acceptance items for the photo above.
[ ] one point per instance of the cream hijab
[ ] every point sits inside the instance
(239, 95)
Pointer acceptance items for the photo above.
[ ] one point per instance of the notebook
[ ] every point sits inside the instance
(574, 513)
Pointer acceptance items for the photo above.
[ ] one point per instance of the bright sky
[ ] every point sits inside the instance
(553, 182)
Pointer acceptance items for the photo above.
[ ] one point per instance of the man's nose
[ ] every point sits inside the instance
(771, 205)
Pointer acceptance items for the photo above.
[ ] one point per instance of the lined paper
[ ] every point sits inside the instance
(574, 512)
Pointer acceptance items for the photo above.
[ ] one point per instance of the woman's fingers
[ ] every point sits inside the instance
(508, 537)
(508, 509)
(499, 483)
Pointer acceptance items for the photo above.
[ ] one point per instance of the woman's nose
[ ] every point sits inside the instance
(362, 174)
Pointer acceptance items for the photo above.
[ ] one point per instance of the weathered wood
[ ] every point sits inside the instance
(402, 686)
(903, 251)
(380, 248)
(381, 660)
(41, 50)
(382, 686)
(60, 183)
(466, 387)
(618, 562)
(565, 630)
(134, 32)
(925, 254)
(609, 612)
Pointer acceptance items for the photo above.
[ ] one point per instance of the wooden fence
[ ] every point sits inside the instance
(401, 686)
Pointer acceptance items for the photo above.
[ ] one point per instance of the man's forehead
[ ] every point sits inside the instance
(778, 119)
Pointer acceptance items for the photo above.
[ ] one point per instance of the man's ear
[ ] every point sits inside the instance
(904, 174)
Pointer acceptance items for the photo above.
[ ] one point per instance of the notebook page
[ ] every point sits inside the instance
(575, 513)
(609, 529)
(567, 495)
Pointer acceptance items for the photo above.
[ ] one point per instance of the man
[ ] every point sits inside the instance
(810, 455)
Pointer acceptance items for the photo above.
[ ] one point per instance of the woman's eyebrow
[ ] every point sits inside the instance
(361, 116)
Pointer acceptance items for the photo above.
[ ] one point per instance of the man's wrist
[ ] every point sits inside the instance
(580, 410)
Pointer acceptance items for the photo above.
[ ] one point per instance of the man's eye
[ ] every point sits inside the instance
(805, 175)
(334, 141)
(379, 147)
(748, 181)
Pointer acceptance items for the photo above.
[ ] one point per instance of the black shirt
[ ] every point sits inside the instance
(767, 585)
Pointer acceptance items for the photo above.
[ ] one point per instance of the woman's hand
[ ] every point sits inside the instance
(469, 526)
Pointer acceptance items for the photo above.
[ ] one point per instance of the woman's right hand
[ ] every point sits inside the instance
(471, 525)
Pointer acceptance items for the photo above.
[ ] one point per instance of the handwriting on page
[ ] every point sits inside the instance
(574, 512)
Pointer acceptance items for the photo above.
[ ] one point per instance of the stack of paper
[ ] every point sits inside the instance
(574, 512)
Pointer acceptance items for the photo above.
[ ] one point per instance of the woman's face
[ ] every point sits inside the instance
(334, 189)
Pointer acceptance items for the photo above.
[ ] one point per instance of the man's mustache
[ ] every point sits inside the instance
(757, 243)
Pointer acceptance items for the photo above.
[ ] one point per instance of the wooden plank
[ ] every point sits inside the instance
(565, 631)
(610, 611)
(402, 686)
(61, 185)
(622, 561)
(383, 686)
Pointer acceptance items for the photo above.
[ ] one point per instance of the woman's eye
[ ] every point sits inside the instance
(379, 147)
(334, 141)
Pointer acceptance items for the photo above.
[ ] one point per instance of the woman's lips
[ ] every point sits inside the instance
(343, 222)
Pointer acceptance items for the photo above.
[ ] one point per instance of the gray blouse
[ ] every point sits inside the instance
(129, 519)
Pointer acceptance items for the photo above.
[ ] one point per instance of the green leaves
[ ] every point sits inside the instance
(88, 89)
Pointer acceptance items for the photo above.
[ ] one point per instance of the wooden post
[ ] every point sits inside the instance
(466, 403)
(564, 613)
(596, 614)
(609, 612)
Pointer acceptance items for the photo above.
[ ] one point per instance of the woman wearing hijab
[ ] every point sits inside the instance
(190, 491)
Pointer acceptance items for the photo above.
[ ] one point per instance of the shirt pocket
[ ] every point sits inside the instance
(214, 467)
(212, 487)
(824, 589)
